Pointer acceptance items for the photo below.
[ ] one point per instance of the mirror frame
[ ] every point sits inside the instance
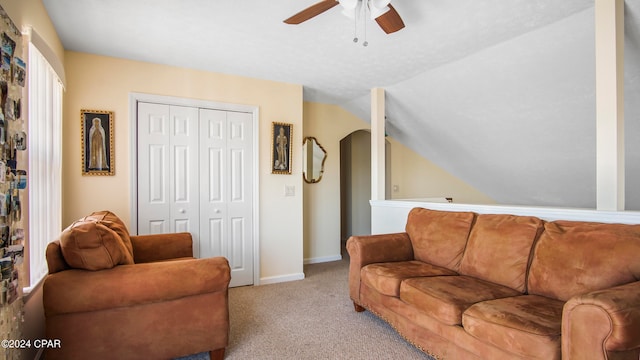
(304, 171)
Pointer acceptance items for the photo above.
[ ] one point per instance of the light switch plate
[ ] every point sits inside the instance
(289, 190)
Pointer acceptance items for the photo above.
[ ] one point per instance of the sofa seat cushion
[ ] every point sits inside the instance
(386, 277)
(528, 325)
(445, 298)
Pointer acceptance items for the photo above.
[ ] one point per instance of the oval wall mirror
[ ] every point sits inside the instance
(314, 156)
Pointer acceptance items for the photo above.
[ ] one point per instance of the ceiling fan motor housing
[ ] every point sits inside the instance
(381, 10)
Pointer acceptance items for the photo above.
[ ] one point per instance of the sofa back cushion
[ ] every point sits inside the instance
(499, 249)
(574, 257)
(92, 245)
(439, 237)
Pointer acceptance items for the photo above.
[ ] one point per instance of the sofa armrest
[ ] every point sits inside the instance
(601, 322)
(76, 290)
(158, 247)
(365, 250)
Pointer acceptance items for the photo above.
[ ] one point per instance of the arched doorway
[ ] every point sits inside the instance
(355, 184)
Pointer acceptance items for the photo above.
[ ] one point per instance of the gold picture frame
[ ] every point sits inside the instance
(281, 151)
(98, 156)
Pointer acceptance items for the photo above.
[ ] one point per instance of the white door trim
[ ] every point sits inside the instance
(135, 98)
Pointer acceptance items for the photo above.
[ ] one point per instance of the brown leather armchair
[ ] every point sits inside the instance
(158, 303)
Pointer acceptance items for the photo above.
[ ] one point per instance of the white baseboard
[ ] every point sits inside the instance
(299, 276)
(281, 278)
(322, 259)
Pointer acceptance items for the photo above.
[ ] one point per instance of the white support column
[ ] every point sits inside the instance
(377, 144)
(609, 16)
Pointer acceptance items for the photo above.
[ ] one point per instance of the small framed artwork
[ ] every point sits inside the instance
(97, 142)
(281, 148)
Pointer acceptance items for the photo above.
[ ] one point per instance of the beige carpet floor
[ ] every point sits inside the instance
(309, 319)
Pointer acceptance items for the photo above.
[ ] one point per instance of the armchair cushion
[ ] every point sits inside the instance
(161, 247)
(132, 285)
(91, 245)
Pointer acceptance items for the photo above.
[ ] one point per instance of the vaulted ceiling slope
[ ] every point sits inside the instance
(499, 93)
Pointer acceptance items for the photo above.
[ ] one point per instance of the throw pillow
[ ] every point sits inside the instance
(92, 245)
(113, 222)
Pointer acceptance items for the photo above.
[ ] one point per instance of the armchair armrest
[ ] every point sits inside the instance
(602, 322)
(158, 247)
(365, 250)
(131, 285)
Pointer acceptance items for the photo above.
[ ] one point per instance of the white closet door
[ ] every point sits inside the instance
(226, 214)
(168, 170)
(195, 174)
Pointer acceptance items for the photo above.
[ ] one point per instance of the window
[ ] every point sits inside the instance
(45, 162)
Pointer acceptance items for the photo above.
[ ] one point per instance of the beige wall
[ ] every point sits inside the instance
(417, 177)
(104, 83)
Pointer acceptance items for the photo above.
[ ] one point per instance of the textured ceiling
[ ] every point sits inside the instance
(249, 38)
(500, 93)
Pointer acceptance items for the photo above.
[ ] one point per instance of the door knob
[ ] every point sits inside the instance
(182, 211)
(217, 211)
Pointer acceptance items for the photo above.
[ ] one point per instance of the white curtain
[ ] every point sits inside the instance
(45, 162)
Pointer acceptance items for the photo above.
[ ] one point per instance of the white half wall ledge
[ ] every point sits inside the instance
(390, 216)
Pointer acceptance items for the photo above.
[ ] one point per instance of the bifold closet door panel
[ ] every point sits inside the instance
(226, 181)
(167, 169)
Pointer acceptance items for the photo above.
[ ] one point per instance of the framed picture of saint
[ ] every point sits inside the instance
(281, 148)
(97, 142)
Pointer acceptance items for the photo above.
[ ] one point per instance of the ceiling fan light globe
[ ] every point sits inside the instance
(350, 13)
(376, 12)
(349, 4)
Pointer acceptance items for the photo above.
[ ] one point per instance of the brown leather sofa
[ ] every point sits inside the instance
(459, 285)
(109, 295)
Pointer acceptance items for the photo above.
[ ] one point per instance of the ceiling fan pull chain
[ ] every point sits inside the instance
(355, 29)
(364, 20)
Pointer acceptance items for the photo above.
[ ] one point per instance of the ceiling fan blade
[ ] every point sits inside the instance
(311, 11)
(390, 21)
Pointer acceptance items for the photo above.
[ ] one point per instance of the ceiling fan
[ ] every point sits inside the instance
(381, 10)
